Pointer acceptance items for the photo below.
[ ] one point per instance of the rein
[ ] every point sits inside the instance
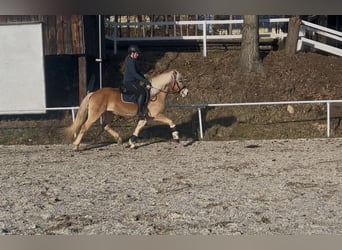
(170, 92)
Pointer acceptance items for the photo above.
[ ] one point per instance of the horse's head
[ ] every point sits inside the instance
(177, 85)
(169, 82)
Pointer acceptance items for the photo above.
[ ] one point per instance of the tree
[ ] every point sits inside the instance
(292, 35)
(250, 58)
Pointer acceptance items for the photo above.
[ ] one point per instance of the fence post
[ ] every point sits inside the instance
(200, 122)
(328, 119)
(204, 38)
(115, 43)
(73, 114)
(300, 35)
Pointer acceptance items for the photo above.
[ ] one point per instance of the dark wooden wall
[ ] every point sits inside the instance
(64, 35)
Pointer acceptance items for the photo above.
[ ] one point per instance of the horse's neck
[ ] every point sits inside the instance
(159, 99)
(159, 84)
(158, 91)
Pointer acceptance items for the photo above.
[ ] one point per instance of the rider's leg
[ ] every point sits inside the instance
(141, 103)
(140, 92)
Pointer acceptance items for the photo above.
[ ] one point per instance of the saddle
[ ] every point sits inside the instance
(127, 96)
(130, 97)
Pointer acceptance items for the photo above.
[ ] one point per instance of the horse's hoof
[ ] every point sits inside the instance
(175, 135)
(176, 140)
(131, 144)
(76, 148)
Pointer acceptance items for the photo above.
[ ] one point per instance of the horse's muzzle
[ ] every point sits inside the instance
(184, 92)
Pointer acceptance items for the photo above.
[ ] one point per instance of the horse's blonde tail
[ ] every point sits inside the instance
(81, 117)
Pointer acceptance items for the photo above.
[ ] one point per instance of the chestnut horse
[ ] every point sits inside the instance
(109, 99)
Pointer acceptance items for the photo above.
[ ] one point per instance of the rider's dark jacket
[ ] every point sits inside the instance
(132, 73)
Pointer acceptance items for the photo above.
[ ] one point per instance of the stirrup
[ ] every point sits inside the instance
(140, 116)
(143, 113)
(144, 116)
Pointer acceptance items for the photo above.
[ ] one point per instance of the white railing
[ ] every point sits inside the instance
(205, 28)
(309, 32)
(199, 108)
(73, 109)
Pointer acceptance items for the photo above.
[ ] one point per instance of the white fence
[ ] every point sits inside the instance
(269, 29)
(310, 32)
(199, 108)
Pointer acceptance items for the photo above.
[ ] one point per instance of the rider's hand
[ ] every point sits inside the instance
(148, 85)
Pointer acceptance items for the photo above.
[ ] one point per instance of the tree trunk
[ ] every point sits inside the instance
(249, 58)
(292, 35)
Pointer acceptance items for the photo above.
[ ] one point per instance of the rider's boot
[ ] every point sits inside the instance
(141, 102)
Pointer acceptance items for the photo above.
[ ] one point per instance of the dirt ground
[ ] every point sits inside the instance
(248, 187)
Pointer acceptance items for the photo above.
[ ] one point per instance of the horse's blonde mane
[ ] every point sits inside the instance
(159, 81)
(162, 79)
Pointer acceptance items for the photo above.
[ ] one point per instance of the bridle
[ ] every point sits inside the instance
(175, 82)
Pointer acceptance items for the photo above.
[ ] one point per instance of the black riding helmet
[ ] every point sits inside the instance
(133, 48)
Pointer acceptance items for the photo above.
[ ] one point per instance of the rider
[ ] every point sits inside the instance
(134, 80)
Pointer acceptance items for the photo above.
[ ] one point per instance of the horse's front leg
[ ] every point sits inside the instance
(163, 119)
(133, 139)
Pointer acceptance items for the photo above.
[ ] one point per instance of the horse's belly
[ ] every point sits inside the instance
(122, 109)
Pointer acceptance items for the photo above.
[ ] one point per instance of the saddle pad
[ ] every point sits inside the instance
(129, 98)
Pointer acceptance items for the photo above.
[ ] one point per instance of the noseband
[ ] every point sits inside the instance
(175, 82)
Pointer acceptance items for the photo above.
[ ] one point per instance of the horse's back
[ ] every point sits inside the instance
(106, 93)
(109, 99)
(107, 90)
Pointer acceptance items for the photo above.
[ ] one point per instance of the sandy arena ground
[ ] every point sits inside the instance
(226, 188)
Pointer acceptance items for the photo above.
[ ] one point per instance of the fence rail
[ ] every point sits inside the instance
(311, 34)
(202, 106)
(320, 37)
(205, 26)
(199, 108)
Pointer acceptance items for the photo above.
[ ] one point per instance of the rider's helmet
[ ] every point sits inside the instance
(133, 48)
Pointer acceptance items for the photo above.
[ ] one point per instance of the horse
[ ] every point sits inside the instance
(109, 99)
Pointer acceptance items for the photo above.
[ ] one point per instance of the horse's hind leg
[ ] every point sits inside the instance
(113, 133)
(91, 119)
(107, 118)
